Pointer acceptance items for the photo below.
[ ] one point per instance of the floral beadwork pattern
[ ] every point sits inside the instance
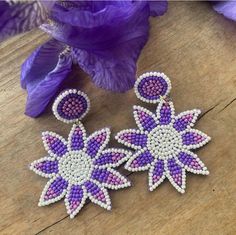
(71, 106)
(163, 144)
(80, 168)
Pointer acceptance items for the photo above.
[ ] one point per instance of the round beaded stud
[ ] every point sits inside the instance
(80, 167)
(71, 106)
(163, 141)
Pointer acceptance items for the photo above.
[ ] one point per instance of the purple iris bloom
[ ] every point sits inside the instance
(227, 8)
(104, 38)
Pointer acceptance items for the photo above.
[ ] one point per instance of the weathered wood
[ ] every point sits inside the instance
(196, 48)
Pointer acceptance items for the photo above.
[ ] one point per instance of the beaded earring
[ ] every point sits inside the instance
(80, 167)
(163, 141)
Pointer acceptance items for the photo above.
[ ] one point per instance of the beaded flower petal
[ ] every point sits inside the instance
(163, 141)
(79, 168)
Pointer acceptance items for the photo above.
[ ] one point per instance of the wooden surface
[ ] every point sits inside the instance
(196, 48)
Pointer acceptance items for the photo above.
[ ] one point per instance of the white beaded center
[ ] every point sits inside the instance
(76, 168)
(164, 142)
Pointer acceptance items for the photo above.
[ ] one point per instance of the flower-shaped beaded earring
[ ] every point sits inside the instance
(163, 140)
(80, 167)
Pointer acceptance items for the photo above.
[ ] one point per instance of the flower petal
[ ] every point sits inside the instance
(20, 17)
(193, 139)
(158, 8)
(43, 73)
(165, 112)
(186, 119)
(54, 144)
(77, 137)
(97, 142)
(98, 194)
(110, 178)
(75, 199)
(109, 42)
(192, 163)
(156, 174)
(145, 119)
(227, 8)
(54, 190)
(176, 174)
(46, 167)
(112, 157)
(132, 138)
(140, 161)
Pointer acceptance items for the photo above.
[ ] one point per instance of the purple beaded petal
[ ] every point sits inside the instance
(192, 163)
(97, 142)
(112, 158)
(71, 106)
(176, 175)
(76, 138)
(98, 194)
(75, 199)
(145, 119)
(151, 87)
(165, 112)
(186, 119)
(46, 167)
(132, 138)
(54, 190)
(54, 144)
(141, 160)
(156, 174)
(193, 139)
(110, 178)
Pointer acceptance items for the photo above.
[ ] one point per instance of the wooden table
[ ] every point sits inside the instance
(196, 48)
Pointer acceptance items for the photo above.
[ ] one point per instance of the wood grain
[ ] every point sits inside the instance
(196, 48)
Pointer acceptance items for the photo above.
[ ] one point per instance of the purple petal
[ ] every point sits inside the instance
(77, 138)
(132, 138)
(20, 17)
(165, 112)
(112, 157)
(97, 142)
(54, 144)
(186, 119)
(156, 174)
(176, 174)
(98, 194)
(145, 119)
(75, 199)
(140, 161)
(46, 167)
(192, 163)
(54, 190)
(110, 178)
(42, 75)
(106, 42)
(227, 8)
(194, 139)
(158, 8)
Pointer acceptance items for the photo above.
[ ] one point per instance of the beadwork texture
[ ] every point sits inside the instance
(71, 106)
(80, 168)
(164, 141)
(152, 86)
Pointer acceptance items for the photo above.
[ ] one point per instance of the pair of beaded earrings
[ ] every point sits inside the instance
(82, 167)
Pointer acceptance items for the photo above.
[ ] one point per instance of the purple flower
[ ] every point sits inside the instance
(80, 168)
(104, 38)
(227, 8)
(163, 145)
